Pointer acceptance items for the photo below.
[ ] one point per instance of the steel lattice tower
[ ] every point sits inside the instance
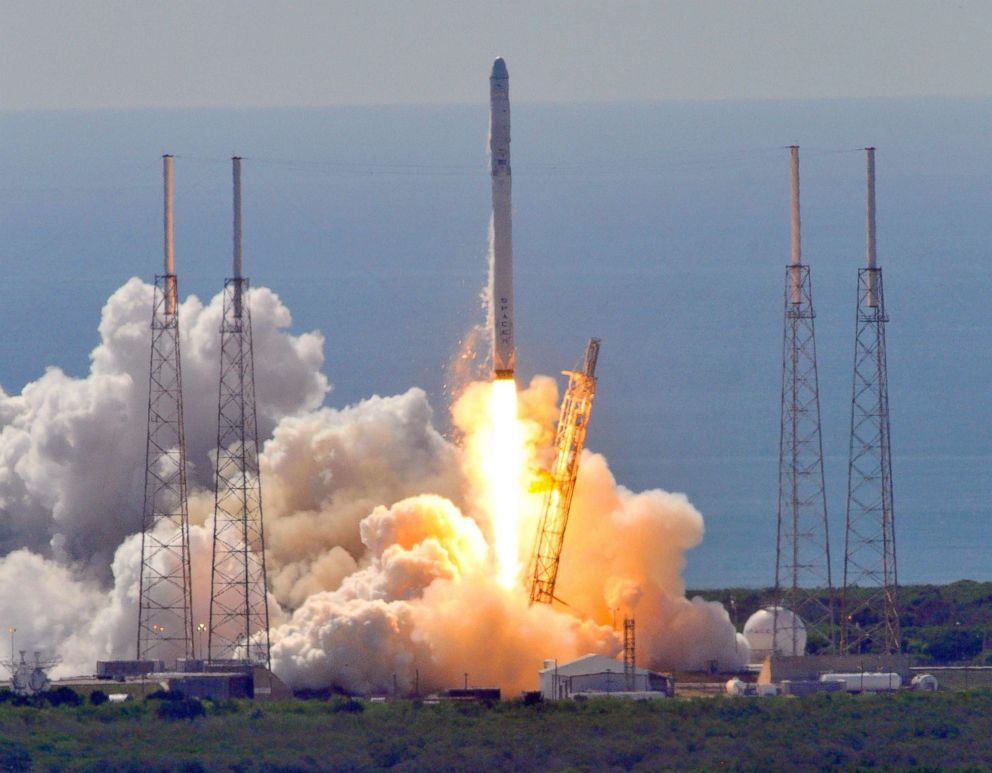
(239, 612)
(629, 653)
(165, 605)
(570, 436)
(870, 617)
(802, 565)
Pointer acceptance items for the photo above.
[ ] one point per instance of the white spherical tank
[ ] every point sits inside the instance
(743, 647)
(790, 638)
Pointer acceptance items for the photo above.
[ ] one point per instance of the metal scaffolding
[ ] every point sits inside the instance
(239, 612)
(802, 567)
(165, 606)
(870, 616)
(165, 603)
(629, 653)
(569, 440)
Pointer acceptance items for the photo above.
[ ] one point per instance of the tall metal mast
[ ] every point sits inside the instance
(569, 440)
(802, 566)
(870, 616)
(629, 653)
(239, 612)
(165, 604)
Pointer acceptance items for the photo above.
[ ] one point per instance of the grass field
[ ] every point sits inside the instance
(940, 731)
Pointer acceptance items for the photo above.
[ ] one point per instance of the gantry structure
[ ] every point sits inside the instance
(569, 440)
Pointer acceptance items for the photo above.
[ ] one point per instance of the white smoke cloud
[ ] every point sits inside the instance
(72, 450)
(44, 602)
(324, 471)
(377, 544)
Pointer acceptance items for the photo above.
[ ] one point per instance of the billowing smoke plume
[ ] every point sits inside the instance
(72, 450)
(72, 456)
(422, 602)
(379, 551)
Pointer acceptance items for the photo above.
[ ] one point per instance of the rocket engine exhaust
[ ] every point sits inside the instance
(502, 266)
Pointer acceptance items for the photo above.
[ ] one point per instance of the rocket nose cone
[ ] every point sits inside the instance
(499, 69)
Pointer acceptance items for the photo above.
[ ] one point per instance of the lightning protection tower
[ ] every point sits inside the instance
(239, 612)
(569, 440)
(802, 567)
(165, 605)
(870, 617)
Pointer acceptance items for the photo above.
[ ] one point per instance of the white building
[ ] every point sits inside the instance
(600, 675)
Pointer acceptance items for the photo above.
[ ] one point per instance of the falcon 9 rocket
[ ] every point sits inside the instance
(501, 282)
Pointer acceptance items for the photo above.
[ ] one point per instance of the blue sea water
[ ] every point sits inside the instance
(662, 229)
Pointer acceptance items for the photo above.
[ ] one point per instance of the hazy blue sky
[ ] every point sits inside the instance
(122, 54)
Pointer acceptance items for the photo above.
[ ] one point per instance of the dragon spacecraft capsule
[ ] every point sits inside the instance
(502, 258)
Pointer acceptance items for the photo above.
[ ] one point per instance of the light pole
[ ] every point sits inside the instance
(201, 627)
(12, 632)
(159, 631)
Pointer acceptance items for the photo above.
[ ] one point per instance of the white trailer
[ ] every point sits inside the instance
(866, 681)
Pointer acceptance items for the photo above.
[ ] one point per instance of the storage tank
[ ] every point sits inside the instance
(743, 647)
(925, 682)
(790, 638)
(736, 687)
(866, 681)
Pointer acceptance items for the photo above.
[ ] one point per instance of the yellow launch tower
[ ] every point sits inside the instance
(569, 440)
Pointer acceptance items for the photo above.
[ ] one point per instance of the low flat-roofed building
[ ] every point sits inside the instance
(598, 674)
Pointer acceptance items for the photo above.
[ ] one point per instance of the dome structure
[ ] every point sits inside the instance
(790, 639)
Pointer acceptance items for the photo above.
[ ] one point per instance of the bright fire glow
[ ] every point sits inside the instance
(503, 462)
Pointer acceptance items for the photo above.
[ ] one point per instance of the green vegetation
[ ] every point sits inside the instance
(939, 623)
(947, 730)
(825, 732)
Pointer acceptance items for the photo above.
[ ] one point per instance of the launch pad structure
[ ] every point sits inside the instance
(869, 540)
(802, 565)
(239, 614)
(165, 604)
(569, 440)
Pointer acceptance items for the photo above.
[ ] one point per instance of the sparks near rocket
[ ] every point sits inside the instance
(501, 281)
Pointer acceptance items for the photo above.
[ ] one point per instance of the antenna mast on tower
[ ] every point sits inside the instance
(165, 605)
(802, 565)
(870, 616)
(239, 611)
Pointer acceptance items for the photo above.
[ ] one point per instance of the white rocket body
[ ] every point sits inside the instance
(502, 265)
